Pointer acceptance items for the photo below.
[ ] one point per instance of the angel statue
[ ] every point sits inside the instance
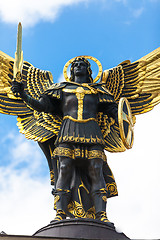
(76, 120)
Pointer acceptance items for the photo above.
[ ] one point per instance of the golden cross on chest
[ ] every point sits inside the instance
(80, 93)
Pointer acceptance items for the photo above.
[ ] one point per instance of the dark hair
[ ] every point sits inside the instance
(89, 71)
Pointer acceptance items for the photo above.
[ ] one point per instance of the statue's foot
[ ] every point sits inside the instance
(60, 215)
(102, 216)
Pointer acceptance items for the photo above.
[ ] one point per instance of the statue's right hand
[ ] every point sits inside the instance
(17, 88)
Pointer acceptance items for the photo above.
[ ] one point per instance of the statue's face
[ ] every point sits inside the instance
(80, 68)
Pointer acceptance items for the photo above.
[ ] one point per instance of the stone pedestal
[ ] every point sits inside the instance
(80, 229)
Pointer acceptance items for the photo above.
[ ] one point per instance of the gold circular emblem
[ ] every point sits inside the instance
(87, 57)
(126, 125)
(112, 188)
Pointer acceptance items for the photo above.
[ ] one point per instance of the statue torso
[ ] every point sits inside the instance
(79, 102)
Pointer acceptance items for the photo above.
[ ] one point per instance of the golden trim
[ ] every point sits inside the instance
(60, 215)
(56, 199)
(52, 175)
(104, 198)
(60, 151)
(87, 57)
(63, 190)
(66, 152)
(102, 190)
(78, 120)
(58, 218)
(77, 210)
(112, 188)
(104, 217)
(122, 116)
(80, 93)
(83, 186)
(79, 139)
(97, 154)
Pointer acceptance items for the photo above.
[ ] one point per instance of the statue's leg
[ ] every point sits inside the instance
(62, 193)
(96, 174)
(66, 168)
(98, 190)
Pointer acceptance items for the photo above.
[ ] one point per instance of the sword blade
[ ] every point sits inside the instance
(18, 54)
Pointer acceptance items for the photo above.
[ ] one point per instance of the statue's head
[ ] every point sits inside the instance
(86, 68)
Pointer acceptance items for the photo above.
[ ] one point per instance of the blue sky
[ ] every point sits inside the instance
(54, 32)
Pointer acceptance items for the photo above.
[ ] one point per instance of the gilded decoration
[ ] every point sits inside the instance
(52, 176)
(125, 117)
(112, 188)
(80, 93)
(66, 152)
(56, 199)
(81, 139)
(77, 210)
(87, 57)
(79, 120)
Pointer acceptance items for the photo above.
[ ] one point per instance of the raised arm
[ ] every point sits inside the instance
(41, 105)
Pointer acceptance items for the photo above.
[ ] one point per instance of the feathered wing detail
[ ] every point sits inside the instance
(146, 85)
(36, 126)
(114, 80)
(139, 82)
(110, 131)
(37, 81)
(9, 104)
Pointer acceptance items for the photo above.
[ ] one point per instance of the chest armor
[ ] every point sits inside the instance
(80, 103)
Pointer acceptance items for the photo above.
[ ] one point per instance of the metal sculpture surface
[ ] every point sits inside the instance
(75, 121)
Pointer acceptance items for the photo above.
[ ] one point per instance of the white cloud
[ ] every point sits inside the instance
(25, 194)
(31, 12)
(137, 12)
(22, 151)
(23, 202)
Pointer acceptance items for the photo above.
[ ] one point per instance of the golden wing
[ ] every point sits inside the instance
(37, 126)
(139, 82)
(111, 133)
(9, 104)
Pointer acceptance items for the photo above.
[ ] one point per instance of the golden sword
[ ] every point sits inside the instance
(18, 62)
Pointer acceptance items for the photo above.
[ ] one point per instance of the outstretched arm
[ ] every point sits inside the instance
(41, 105)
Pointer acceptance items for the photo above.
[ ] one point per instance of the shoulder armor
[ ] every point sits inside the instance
(55, 86)
(102, 88)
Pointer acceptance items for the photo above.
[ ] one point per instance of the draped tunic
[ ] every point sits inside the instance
(79, 105)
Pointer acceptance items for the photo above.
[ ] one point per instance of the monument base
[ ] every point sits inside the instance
(80, 229)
